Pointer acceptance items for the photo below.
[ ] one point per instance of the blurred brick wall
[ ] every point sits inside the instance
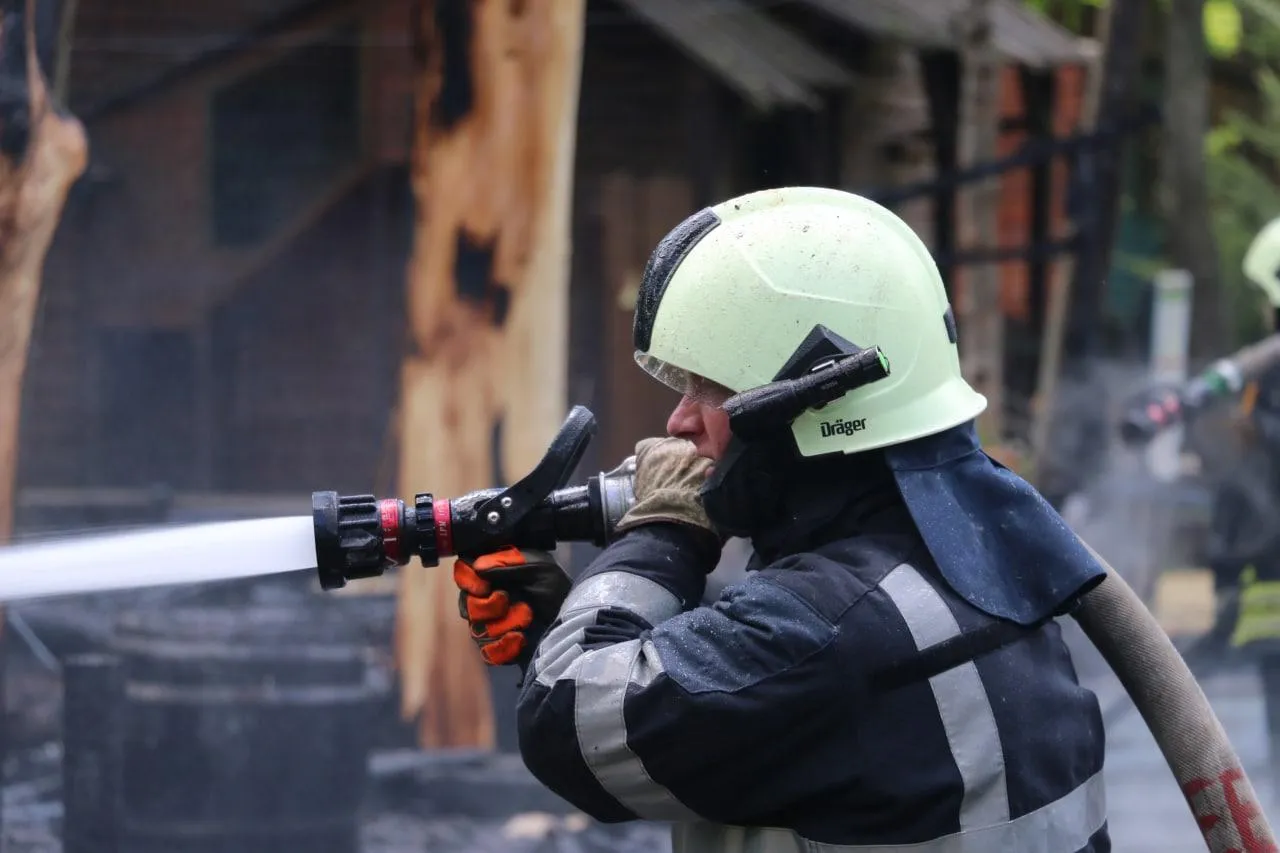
(1015, 186)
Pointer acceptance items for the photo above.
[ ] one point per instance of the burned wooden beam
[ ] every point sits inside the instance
(496, 93)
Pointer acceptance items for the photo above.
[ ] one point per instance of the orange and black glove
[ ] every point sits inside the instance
(509, 598)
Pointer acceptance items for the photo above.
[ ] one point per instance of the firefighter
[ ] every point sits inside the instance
(889, 674)
(1244, 549)
(1244, 540)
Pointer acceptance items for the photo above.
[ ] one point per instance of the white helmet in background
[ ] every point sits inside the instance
(1262, 261)
(733, 291)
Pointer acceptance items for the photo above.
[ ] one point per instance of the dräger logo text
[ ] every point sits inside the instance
(842, 427)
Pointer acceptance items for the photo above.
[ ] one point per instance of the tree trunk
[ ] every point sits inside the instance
(981, 319)
(1099, 185)
(483, 390)
(1185, 178)
(42, 153)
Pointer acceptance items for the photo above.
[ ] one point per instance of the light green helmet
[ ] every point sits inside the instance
(732, 292)
(1262, 261)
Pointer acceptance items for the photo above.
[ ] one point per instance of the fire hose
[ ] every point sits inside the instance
(1178, 713)
(362, 536)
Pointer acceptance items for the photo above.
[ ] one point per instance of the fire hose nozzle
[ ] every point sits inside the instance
(362, 536)
(1148, 415)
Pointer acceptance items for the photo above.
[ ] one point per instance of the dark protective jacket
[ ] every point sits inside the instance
(1244, 539)
(793, 714)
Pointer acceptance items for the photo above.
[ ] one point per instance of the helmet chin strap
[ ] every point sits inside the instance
(745, 492)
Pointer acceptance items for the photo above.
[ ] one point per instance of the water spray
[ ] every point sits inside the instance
(362, 536)
(159, 556)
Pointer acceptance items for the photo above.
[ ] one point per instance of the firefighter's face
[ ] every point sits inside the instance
(700, 419)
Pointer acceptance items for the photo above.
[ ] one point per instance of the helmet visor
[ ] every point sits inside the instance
(691, 385)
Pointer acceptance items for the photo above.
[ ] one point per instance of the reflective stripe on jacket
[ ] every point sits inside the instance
(1258, 619)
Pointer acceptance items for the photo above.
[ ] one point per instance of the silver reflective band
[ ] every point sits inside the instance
(601, 679)
(962, 702)
(563, 644)
(601, 683)
(1063, 826)
(648, 599)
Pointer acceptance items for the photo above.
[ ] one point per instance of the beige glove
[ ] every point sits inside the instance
(669, 474)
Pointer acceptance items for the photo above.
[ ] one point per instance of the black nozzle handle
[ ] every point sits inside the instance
(503, 512)
(759, 412)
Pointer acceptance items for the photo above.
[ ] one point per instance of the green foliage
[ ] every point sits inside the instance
(1263, 39)
(1243, 152)
(1223, 25)
(1243, 149)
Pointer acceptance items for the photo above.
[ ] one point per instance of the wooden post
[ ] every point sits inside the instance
(1118, 87)
(981, 318)
(1040, 107)
(940, 73)
(1058, 309)
(1185, 175)
(496, 94)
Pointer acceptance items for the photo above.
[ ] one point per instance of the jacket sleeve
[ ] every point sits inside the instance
(641, 704)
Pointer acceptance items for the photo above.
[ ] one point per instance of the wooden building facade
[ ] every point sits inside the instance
(222, 306)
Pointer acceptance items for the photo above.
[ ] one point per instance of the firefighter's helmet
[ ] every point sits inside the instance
(732, 292)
